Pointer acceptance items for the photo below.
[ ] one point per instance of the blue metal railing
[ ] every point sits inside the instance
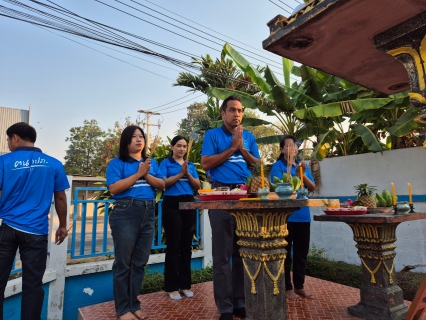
(91, 249)
(88, 239)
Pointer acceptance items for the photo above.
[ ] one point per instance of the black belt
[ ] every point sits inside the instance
(231, 186)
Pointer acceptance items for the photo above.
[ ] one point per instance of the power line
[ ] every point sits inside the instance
(194, 29)
(172, 101)
(177, 104)
(280, 7)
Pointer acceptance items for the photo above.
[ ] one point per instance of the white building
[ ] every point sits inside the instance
(9, 116)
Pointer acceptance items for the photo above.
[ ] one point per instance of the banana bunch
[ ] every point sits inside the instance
(384, 199)
(294, 181)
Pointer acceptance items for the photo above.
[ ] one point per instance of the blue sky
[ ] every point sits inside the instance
(66, 83)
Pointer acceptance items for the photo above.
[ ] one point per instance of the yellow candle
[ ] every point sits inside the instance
(301, 176)
(262, 175)
(410, 194)
(393, 194)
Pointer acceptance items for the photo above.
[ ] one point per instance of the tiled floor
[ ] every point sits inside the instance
(331, 302)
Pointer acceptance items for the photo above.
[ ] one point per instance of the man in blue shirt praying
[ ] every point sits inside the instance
(227, 153)
(28, 179)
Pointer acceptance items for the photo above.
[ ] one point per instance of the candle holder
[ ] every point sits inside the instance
(263, 193)
(303, 194)
(402, 208)
(411, 208)
(395, 210)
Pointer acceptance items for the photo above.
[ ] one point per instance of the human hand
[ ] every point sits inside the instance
(184, 169)
(144, 168)
(60, 235)
(237, 138)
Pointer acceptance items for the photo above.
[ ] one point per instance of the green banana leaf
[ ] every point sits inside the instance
(324, 145)
(278, 92)
(334, 109)
(245, 66)
(287, 66)
(270, 139)
(368, 137)
(247, 100)
(405, 124)
(342, 95)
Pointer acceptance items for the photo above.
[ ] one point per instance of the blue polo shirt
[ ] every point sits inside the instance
(280, 167)
(235, 169)
(170, 167)
(28, 179)
(119, 170)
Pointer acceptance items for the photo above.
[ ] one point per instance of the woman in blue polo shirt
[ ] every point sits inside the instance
(132, 180)
(298, 224)
(179, 225)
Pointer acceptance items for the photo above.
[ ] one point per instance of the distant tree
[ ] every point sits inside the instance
(196, 112)
(83, 156)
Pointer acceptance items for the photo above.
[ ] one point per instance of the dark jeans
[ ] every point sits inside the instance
(228, 281)
(132, 225)
(33, 253)
(179, 226)
(299, 234)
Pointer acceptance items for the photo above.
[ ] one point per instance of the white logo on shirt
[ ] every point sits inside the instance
(24, 164)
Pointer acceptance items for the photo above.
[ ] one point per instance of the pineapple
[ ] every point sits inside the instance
(256, 181)
(365, 195)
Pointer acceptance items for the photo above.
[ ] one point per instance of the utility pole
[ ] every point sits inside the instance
(148, 124)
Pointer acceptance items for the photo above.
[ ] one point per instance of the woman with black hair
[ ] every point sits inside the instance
(298, 224)
(132, 180)
(179, 225)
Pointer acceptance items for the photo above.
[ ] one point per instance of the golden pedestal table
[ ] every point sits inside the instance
(381, 298)
(262, 227)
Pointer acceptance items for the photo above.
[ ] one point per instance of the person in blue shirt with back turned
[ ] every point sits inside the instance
(132, 180)
(179, 225)
(227, 153)
(298, 224)
(28, 179)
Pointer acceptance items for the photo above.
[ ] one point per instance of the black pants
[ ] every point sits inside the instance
(298, 238)
(228, 280)
(33, 253)
(179, 226)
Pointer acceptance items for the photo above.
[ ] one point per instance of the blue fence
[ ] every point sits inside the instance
(91, 236)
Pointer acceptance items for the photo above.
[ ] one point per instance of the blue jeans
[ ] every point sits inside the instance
(132, 225)
(33, 253)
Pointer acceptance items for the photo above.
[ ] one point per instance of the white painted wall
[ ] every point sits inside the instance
(339, 176)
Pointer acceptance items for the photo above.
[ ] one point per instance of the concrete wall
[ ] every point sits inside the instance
(339, 176)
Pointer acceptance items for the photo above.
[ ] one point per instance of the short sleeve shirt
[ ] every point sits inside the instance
(170, 167)
(119, 170)
(28, 179)
(235, 169)
(280, 167)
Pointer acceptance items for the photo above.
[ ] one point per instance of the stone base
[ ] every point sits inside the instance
(370, 313)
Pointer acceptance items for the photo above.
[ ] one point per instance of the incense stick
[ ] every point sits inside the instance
(289, 164)
(154, 145)
(188, 150)
(303, 152)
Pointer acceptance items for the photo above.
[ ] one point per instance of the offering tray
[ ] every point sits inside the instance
(351, 211)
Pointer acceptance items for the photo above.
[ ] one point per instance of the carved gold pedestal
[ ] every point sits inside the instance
(381, 298)
(262, 228)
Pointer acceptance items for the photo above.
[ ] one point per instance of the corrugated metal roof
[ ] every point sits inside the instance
(9, 116)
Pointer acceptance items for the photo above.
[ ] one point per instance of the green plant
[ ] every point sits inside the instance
(314, 252)
(294, 181)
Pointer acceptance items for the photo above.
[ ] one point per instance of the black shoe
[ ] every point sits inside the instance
(241, 312)
(226, 316)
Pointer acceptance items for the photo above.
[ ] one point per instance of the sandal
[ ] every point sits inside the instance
(174, 295)
(187, 293)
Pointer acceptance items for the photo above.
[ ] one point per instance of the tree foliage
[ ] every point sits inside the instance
(83, 156)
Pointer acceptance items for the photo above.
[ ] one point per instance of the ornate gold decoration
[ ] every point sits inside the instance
(417, 96)
(272, 225)
(252, 277)
(417, 60)
(275, 279)
(374, 233)
(376, 247)
(262, 245)
(389, 271)
(263, 257)
(376, 256)
(372, 272)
